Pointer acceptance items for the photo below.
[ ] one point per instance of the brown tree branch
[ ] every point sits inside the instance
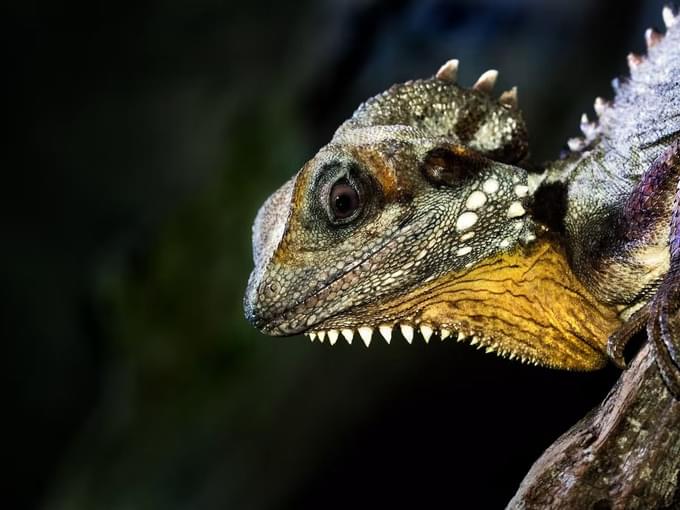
(625, 454)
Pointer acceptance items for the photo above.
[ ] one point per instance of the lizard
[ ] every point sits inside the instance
(424, 213)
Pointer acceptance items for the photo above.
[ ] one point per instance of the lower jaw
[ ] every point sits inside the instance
(525, 304)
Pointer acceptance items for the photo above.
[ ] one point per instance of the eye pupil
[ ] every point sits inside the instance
(344, 199)
(343, 204)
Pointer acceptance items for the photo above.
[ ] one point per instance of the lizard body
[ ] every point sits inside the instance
(421, 213)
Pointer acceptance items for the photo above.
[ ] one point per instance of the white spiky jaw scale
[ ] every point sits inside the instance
(410, 332)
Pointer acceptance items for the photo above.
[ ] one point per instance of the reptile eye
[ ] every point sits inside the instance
(344, 200)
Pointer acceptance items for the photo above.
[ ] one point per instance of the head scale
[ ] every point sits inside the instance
(423, 181)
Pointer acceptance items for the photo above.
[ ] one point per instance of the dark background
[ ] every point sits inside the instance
(141, 141)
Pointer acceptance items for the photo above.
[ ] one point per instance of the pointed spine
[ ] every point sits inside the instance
(449, 71)
(486, 81)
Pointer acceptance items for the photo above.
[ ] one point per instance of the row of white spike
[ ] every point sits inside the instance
(485, 83)
(408, 332)
(366, 333)
(590, 129)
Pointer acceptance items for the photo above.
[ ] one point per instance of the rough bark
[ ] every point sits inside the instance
(625, 454)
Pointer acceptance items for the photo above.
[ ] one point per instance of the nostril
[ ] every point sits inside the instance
(272, 289)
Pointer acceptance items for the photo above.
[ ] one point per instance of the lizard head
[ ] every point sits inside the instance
(407, 217)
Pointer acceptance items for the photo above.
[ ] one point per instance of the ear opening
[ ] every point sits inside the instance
(450, 165)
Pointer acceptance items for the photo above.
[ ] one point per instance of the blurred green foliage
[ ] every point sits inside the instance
(184, 359)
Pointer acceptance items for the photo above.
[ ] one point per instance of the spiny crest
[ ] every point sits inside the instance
(592, 129)
(485, 83)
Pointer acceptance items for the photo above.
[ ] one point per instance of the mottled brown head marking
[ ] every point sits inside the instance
(382, 165)
(450, 165)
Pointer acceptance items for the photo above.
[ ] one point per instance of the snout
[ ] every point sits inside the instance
(262, 308)
(252, 305)
(251, 312)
